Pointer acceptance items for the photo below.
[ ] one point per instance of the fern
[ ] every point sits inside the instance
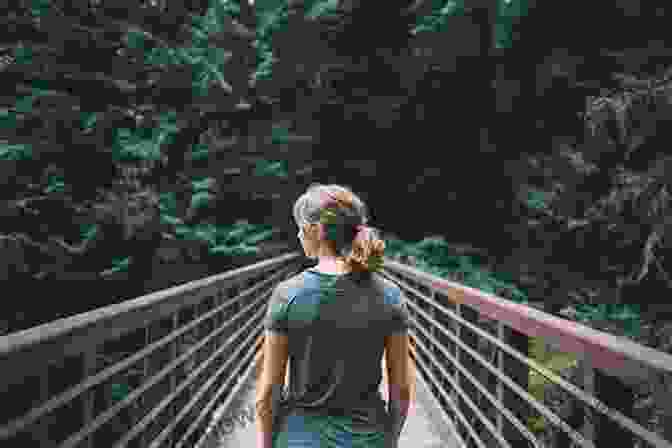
(89, 121)
(271, 169)
(279, 134)
(22, 54)
(537, 199)
(321, 8)
(238, 250)
(118, 265)
(434, 256)
(438, 20)
(183, 231)
(260, 236)
(145, 143)
(237, 232)
(206, 234)
(40, 8)
(201, 199)
(199, 152)
(7, 119)
(203, 192)
(206, 61)
(88, 231)
(271, 18)
(135, 39)
(171, 220)
(15, 152)
(119, 391)
(56, 184)
(238, 239)
(626, 317)
(205, 184)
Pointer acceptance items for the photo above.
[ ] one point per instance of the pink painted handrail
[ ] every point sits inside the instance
(616, 356)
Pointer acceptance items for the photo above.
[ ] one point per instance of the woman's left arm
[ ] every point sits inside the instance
(270, 384)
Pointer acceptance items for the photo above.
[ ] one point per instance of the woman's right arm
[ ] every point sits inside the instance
(400, 380)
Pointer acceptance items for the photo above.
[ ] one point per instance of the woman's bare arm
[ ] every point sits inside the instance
(400, 380)
(270, 384)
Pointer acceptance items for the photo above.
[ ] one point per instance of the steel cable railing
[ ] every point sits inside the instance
(217, 318)
(603, 351)
(222, 316)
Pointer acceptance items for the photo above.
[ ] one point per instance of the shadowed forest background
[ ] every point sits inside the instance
(520, 147)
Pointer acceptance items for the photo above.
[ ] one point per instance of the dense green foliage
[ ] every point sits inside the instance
(96, 150)
(436, 256)
(438, 19)
(136, 137)
(180, 98)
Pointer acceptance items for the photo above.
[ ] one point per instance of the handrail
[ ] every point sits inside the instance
(214, 304)
(226, 312)
(612, 355)
(524, 394)
(617, 356)
(107, 373)
(75, 334)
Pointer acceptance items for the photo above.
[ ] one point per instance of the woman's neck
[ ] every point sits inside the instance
(332, 265)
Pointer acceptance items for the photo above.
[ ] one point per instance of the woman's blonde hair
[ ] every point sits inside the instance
(341, 212)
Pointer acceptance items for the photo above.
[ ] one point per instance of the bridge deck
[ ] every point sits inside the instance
(425, 427)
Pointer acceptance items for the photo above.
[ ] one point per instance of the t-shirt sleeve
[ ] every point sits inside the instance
(276, 311)
(400, 320)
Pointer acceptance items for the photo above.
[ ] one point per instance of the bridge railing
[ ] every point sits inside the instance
(146, 372)
(466, 344)
(182, 353)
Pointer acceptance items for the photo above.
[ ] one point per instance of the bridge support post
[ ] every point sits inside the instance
(434, 332)
(174, 353)
(456, 354)
(442, 340)
(501, 335)
(146, 365)
(43, 428)
(470, 339)
(236, 307)
(663, 390)
(520, 374)
(229, 315)
(88, 401)
(146, 374)
(579, 415)
(152, 364)
(219, 320)
(613, 392)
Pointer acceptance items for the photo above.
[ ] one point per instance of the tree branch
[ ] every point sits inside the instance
(663, 273)
(417, 7)
(652, 240)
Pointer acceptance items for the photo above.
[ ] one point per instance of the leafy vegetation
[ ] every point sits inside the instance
(438, 19)
(157, 97)
(435, 256)
(170, 100)
(184, 126)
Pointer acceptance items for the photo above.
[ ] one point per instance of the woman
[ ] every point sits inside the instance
(333, 322)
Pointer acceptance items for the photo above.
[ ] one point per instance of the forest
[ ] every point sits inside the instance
(516, 146)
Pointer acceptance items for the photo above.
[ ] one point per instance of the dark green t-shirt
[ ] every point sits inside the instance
(337, 324)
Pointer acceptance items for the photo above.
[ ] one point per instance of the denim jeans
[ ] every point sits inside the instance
(301, 431)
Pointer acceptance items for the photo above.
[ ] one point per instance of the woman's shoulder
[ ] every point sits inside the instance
(307, 280)
(391, 291)
(292, 285)
(385, 282)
